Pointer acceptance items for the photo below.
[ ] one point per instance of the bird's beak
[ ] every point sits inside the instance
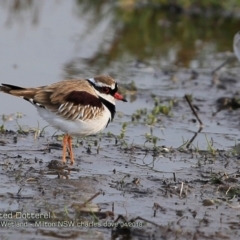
(119, 97)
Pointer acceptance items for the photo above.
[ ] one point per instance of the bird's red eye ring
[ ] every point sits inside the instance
(105, 89)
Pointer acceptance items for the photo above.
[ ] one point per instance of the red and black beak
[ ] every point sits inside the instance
(119, 97)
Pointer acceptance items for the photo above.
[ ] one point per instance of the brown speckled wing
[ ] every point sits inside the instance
(81, 105)
(70, 99)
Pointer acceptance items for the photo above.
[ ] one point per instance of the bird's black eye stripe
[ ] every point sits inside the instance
(113, 91)
(104, 89)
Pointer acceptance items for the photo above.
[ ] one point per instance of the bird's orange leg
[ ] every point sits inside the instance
(65, 142)
(69, 141)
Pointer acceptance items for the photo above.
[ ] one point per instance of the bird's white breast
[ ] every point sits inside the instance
(76, 127)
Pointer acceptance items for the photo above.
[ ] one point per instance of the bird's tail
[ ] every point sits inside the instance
(26, 93)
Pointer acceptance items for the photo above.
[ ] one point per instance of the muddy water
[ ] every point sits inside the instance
(45, 41)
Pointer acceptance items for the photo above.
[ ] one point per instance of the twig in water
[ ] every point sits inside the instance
(194, 136)
(86, 202)
(228, 190)
(174, 177)
(222, 64)
(193, 110)
(178, 221)
(90, 199)
(181, 190)
(199, 120)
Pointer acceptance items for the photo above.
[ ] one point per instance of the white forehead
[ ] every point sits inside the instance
(101, 84)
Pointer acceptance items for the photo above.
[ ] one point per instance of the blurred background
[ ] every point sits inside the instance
(53, 39)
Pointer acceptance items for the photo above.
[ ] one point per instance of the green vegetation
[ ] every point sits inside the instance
(189, 28)
(153, 116)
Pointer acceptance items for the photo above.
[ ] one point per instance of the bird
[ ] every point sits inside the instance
(236, 45)
(77, 107)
